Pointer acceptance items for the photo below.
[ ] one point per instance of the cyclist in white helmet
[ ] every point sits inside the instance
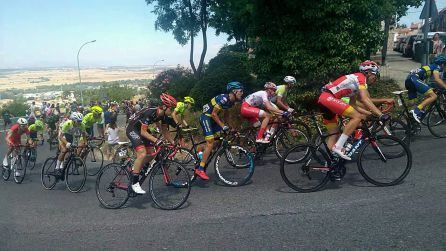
(282, 92)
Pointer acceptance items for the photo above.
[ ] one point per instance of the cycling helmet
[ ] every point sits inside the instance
(168, 100)
(289, 80)
(76, 116)
(369, 65)
(189, 100)
(96, 109)
(39, 124)
(441, 59)
(270, 85)
(22, 121)
(234, 86)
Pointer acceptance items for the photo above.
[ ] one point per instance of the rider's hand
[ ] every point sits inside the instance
(290, 110)
(384, 117)
(68, 145)
(225, 128)
(286, 114)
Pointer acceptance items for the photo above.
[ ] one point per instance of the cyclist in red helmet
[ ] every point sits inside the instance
(353, 86)
(140, 137)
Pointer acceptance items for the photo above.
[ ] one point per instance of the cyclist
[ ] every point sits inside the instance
(51, 122)
(212, 124)
(141, 139)
(93, 117)
(281, 94)
(254, 106)
(416, 83)
(13, 138)
(37, 128)
(180, 109)
(74, 127)
(353, 86)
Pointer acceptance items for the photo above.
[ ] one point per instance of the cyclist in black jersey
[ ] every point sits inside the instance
(142, 141)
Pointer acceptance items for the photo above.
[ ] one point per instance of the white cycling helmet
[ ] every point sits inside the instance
(22, 121)
(76, 116)
(270, 85)
(289, 80)
(369, 65)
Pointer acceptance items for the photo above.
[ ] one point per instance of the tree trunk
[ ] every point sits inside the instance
(204, 24)
(192, 35)
(386, 39)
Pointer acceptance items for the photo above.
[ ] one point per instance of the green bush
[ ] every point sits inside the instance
(177, 82)
(17, 107)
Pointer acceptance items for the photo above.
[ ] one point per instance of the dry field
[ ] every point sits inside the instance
(25, 79)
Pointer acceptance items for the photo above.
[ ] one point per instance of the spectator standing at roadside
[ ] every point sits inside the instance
(32, 109)
(137, 107)
(438, 46)
(6, 118)
(112, 133)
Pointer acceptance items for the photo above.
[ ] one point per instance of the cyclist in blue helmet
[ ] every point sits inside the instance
(211, 122)
(417, 82)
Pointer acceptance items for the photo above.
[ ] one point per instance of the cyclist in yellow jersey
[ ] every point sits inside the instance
(95, 116)
(281, 94)
(36, 129)
(180, 109)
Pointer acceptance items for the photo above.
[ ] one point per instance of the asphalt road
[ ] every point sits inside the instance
(265, 214)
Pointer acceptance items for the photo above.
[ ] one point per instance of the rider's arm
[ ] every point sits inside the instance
(165, 132)
(271, 108)
(214, 116)
(176, 117)
(282, 103)
(378, 101)
(145, 133)
(359, 106)
(8, 137)
(365, 99)
(438, 80)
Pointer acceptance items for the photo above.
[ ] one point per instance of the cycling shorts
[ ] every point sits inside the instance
(137, 140)
(90, 131)
(209, 126)
(250, 113)
(33, 135)
(415, 85)
(331, 107)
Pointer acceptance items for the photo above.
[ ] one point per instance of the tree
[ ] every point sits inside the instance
(17, 107)
(185, 19)
(177, 82)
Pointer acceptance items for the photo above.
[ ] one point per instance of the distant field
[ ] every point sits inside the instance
(30, 78)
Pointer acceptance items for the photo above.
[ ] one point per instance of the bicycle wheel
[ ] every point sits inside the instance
(75, 174)
(30, 157)
(123, 153)
(48, 174)
(397, 128)
(288, 138)
(436, 121)
(310, 173)
(245, 141)
(94, 161)
(18, 171)
(112, 185)
(234, 165)
(385, 161)
(186, 158)
(6, 172)
(169, 184)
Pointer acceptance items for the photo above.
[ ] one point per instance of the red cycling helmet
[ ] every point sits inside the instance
(168, 100)
(369, 65)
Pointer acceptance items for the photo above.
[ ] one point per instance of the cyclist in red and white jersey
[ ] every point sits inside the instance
(353, 86)
(253, 108)
(14, 135)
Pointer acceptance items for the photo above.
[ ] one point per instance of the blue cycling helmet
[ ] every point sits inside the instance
(234, 86)
(441, 59)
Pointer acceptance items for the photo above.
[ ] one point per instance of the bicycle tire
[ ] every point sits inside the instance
(72, 171)
(170, 178)
(436, 121)
(186, 158)
(377, 153)
(303, 127)
(399, 129)
(295, 174)
(6, 172)
(30, 164)
(48, 175)
(234, 173)
(284, 141)
(19, 168)
(94, 161)
(119, 183)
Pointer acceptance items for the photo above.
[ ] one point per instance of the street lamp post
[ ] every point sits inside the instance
(153, 67)
(79, 70)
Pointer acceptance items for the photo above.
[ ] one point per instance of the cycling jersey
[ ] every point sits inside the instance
(33, 131)
(15, 135)
(347, 85)
(89, 120)
(257, 99)
(221, 101)
(425, 72)
(69, 127)
(208, 124)
(180, 108)
(280, 92)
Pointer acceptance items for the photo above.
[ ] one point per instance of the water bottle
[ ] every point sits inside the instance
(200, 155)
(348, 147)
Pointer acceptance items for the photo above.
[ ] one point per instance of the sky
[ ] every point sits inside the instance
(49, 33)
(413, 14)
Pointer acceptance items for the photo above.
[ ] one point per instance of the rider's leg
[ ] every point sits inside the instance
(350, 127)
(266, 118)
(141, 159)
(429, 99)
(61, 157)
